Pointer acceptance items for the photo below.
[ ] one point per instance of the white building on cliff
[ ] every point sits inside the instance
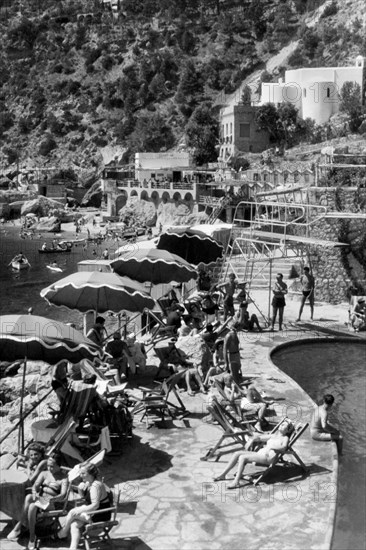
(314, 91)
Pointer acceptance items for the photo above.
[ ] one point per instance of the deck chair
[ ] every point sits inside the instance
(155, 402)
(60, 440)
(96, 534)
(48, 523)
(279, 458)
(235, 404)
(161, 329)
(235, 432)
(77, 401)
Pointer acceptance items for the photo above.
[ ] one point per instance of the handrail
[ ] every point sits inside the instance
(14, 427)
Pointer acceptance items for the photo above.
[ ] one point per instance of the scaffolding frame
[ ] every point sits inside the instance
(272, 230)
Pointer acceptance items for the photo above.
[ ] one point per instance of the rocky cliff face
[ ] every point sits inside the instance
(75, 79)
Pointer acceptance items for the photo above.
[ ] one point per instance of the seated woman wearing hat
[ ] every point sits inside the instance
(358, 315)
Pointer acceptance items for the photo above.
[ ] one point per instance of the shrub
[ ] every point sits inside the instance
(47, 145)
(330, 10)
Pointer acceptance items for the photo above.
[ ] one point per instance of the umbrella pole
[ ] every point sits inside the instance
(21, 421)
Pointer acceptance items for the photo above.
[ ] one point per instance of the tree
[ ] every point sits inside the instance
(351, 104)
(151, 133)
(189, 89)
(282, 124)
(266, 118)
(246, 96)
(202, 134)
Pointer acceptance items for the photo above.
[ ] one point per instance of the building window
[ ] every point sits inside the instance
(285, 177)
(307, 177)
(231, 127)
(304, 92)
(296, 177)
(244, 130)
(256, 176)
(328, 92)
(227, 126)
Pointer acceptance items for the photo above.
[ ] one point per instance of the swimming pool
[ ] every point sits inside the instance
(338, 367)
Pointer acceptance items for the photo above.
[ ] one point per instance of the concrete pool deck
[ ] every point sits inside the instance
(169, 500)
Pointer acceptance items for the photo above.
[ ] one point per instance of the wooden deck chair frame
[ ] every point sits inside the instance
(234, 431)
(235, 404)
(54, 515)
(60, 436)
(279, 458)
(157, 401)
(99, 531)
(162, 330)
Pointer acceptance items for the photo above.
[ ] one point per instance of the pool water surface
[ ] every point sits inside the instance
(338, 367)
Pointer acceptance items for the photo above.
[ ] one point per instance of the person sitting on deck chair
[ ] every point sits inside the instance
(176, 361)
(119, 352)
(274, 443)
(97, 333)
(254, 403)
(358, 315)
(245, 320)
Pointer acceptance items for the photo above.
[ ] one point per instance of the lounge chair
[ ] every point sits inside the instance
(98, 533)
(279, 458)
(161, 330)
(155, 402)
(235, 431)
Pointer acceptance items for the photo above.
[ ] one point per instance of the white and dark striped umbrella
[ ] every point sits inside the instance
(98, 291)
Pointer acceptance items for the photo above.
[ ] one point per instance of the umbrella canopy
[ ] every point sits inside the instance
(41, 339)
(194, 246)
(96, 291)
(155, 266)
(132, 247)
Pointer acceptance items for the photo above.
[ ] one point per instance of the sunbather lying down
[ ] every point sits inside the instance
(274, 443)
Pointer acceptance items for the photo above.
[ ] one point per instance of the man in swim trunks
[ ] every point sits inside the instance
(320, 429)
(278, 301)
(231, 353)
(229, 288)
(308, 283)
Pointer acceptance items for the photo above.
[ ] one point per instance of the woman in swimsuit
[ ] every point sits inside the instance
(51, 485)
(274, 443)
(97, 497)
(33, 462)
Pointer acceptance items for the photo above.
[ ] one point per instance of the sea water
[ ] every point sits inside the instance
(338, 368)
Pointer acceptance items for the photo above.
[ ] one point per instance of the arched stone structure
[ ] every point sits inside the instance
(134, 193)
(155, 197)
(165, 197)
(144, 195)
(177, 196)
(121, 201)
(188, 197)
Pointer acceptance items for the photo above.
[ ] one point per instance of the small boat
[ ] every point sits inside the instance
(70, 242)
(19, 263)
(55, 268)
(55, 250)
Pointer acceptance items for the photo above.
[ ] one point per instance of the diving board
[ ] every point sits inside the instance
(263, 236)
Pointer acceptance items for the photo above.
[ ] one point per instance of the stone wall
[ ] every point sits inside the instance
(336, 269)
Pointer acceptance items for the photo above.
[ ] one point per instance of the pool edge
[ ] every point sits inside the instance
(334, 453)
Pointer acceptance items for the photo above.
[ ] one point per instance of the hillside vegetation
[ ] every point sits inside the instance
(74, 78)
